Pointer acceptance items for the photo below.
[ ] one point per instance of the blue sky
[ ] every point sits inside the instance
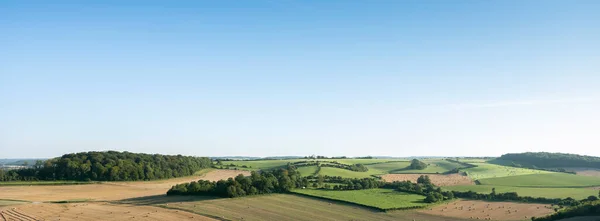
(290, 77)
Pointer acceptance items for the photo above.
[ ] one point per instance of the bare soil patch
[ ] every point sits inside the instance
(437, 179)
(107, 190)
(482, 210)
(94, 211)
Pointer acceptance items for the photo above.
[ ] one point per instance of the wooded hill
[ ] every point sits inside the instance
(109, 166)
(550, 160)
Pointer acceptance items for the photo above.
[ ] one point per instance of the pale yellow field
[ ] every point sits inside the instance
(93, 211)
(437, 179)
(482, 210)
(106, 190)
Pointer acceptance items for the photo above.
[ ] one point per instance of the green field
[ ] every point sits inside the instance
(290, 207)
(307, 171)
(472, 160)
(28, 183)
(435, 166)
(383, 168)
(544, 180)
(363, 161)
(273, 164)
(377, 198)
(332, 171)
(486, 170)
(260, 164)
(11, 202)
(576, 193)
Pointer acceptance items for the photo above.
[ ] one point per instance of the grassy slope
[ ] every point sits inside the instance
(307, 171)
(362, 161)
(435, 166)
(272, 164)
(378, 198)
(485, 170)
(544, 180)
(284, 207)
(576, 193)
(332, 171)
(261, 164)
(383, 168)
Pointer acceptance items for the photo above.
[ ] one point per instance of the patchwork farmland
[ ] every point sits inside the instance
(330, 189)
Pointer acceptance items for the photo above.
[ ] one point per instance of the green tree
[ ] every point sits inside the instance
(424, 179)
(417, 165)
(320, 180)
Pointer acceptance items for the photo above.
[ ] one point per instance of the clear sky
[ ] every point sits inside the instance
(291, 77)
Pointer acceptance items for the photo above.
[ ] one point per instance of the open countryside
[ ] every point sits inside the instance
(300, 110)
(374, 189)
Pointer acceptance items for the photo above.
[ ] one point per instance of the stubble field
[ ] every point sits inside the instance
(105, 190)
(482, 210)
(93, 211)
(437, 179)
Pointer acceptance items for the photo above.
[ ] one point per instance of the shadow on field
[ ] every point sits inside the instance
(163, 198)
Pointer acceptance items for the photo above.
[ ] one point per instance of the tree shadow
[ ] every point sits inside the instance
(163, 199)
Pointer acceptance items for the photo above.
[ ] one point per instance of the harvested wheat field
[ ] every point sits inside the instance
(437, 179)
(94, 211)
(482, 210)
(106, 190)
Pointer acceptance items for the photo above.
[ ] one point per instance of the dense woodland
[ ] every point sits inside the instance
(551, 160)
(109, 166)
(276, 181)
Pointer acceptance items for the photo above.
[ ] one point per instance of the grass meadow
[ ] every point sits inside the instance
(544, 180)
(486, 170)
(377, 198)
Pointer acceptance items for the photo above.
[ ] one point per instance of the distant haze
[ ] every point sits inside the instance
(287, 78)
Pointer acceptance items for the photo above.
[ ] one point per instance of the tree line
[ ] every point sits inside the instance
(549, 160)
(513, 196)
(276, 181)
(340, 183)
(423, 187)
(591, 208)
(354, 167)
(109, 166)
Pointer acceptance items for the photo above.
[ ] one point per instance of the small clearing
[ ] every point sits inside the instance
(482, 210)
(437, 179)
(94, 211)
